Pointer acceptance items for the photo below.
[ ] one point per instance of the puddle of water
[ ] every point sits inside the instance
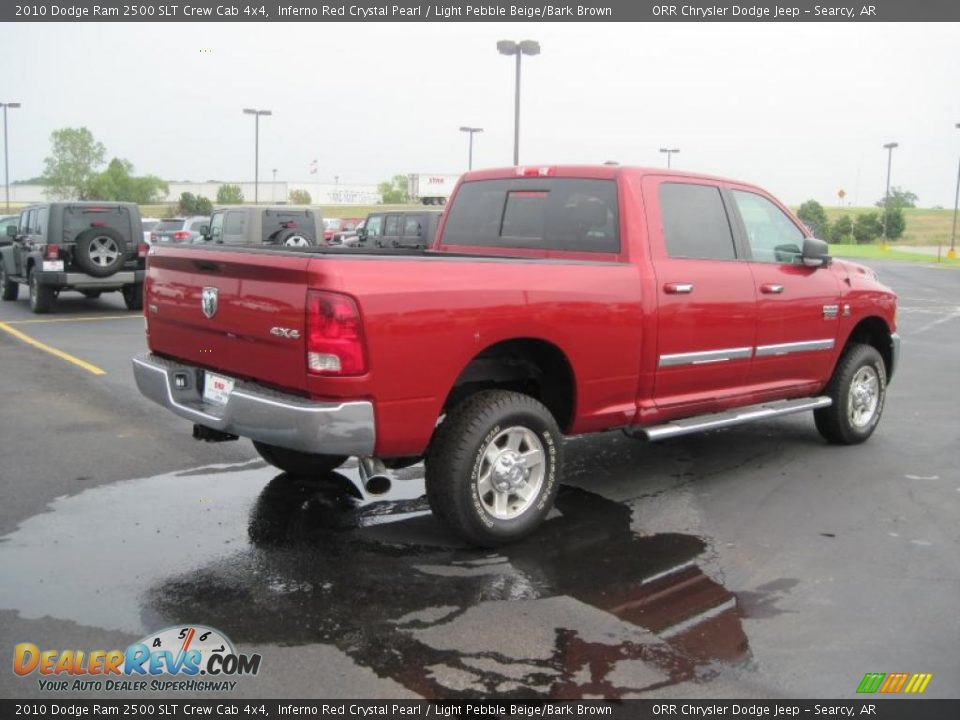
(584, 606)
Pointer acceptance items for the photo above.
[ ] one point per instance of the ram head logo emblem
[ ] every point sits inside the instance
(208, 302)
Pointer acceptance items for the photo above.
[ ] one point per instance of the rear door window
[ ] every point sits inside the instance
(536, 213)
(234, 225)
(412, 226)
(392, 225)
(695, 223)
(78, 219)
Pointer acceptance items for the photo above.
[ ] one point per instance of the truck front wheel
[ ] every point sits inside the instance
(858, 389)
(298, 463)
(493, 468)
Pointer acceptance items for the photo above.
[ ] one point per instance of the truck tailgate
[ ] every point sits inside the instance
(255, 327)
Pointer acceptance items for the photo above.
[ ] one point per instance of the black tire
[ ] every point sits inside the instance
(457, 461)
(100, 252)
(133, 296)
(850, 419)
(293, 238)
(91, 294)
(298, 463)
(10, 288)
(41, 296)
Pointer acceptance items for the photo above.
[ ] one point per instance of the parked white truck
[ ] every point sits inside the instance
(430, 188)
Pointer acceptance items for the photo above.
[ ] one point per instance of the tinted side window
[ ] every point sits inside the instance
(412, 226)
(216, 227)
(771, 234)
(537, 213)
(23, 223)
(695, 223)
(234, 223)
(42, 215)
(374, 226)
(392, 226)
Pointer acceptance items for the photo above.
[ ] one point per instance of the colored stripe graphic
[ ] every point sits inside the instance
(918, 683)
(893, 683)
(871, 682)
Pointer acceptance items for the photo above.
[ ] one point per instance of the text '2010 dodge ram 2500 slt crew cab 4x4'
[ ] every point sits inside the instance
(553, 301)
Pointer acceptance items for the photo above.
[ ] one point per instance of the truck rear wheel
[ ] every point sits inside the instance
(858, 389)
(493, 468)
(41, 296)
(298, 463)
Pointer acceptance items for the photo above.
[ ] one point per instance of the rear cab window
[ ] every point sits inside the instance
(544, 214)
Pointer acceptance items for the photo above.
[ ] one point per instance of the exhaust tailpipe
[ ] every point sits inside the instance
(373, 474)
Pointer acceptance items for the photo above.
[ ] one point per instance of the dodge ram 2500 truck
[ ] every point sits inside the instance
(553, 301)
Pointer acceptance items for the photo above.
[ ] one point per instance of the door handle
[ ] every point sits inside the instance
(771, 289)
(678, 288)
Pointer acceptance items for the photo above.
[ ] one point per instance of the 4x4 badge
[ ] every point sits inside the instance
(208, 302)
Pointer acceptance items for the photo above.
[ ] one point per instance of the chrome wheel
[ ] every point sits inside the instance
(104, 251)
(296, 241)
(511, 473)
(864, 397)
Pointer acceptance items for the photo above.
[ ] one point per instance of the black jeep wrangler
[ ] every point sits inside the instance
(90, 247)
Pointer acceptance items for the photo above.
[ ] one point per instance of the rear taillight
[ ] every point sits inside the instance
(51, 252)
(335, 343)
(181, 235)
(142, 249)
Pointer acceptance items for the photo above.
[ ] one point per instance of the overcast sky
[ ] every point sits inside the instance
(801, 109)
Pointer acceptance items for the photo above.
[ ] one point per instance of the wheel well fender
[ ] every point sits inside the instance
(875, 332)
(531, 366)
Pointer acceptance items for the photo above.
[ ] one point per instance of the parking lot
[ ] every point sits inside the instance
(755, 561)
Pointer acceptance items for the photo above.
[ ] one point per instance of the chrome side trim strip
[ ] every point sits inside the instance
(793, 347)
(706, 356)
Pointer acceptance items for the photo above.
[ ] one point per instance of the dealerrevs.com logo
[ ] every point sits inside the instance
(191, 658)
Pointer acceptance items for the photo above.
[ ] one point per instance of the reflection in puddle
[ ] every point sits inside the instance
(584, 607)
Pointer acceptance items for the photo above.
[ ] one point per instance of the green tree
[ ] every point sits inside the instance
(187, 205)
(394, 191)
(72, 163)
(896, 222)
(204, 206)
(299, 197)
(899, 198)
(229, 195)
(119, 184)
(867, 228)
(841, 231)
(814, 217)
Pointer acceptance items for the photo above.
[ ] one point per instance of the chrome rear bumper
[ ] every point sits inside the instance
(259, 413)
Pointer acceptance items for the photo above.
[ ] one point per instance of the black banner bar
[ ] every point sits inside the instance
(866, 707)
(483, 11)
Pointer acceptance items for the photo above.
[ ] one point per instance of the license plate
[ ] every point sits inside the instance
(217, 388)
(53, 265)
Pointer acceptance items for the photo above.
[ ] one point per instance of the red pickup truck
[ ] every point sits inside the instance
(554, 301)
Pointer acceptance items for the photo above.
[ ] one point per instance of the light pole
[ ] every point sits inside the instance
(273, 187)
(952, 253)
(524, 47)
(256, 149)
(886, 198)
(669, 152)
(6, 145)
(472, 131)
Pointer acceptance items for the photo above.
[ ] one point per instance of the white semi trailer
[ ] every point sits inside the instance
(431, 188)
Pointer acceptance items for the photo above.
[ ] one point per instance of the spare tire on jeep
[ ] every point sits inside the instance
(100, 251)
(292, 237)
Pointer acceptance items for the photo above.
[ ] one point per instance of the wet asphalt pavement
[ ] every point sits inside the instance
(755, 561)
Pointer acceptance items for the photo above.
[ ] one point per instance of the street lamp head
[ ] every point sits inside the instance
(264, 112)
(249, 111)
(465, 128)
(529, 47)
(507, 47)
(16, 105)
(891, 146)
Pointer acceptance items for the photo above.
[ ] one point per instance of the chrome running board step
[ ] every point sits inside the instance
(698, 423)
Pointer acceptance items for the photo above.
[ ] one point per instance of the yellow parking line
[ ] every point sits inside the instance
(52, 350)
(74, 319)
